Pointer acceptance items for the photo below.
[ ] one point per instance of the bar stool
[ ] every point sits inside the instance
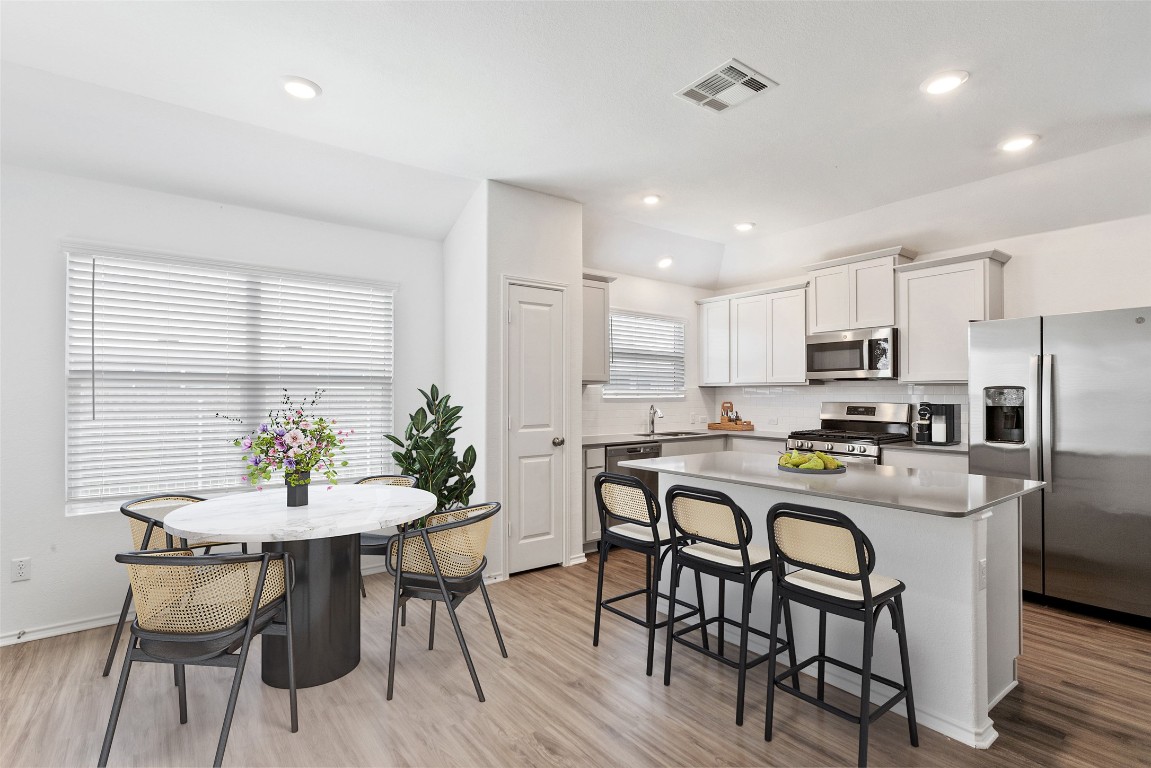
(713, 536)
(835, 561)
(630, 518)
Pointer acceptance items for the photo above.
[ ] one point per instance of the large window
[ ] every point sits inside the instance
(157, 346)
(647, 357)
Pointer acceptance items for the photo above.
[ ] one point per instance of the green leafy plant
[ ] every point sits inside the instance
(428, 452)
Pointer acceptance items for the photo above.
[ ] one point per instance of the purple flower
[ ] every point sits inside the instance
(255, 461)
(246, 443)
(263, 427)
(280, 431)
(289, 463)
(280, 444)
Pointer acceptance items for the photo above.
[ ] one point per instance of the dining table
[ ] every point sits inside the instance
(323, 539)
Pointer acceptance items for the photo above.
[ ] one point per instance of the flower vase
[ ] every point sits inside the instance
(297, 483)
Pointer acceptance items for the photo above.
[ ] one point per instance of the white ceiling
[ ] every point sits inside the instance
(575, 98)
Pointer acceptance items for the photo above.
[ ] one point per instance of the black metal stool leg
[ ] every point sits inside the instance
(432, 628)
(722, 615)
(822, 652)
(790, 641)
(773, 653)
(653, 591)
(363, 589)
(395, 618)
(116, 636)
(865, 688)
(460, 636)
(492, 616)
(670, 624)
(901, 632)
(117, 703)
(183, 688)
(291, 661)
(603, 548)
(702, 616)
(745, 619)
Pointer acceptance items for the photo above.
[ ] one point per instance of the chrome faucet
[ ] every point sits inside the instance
(652, 413)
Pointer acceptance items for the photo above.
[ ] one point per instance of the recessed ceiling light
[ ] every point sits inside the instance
(944, 82)
(746, 226)
(1019, 143)
(651, 199)
(301, 88)
(664, 263)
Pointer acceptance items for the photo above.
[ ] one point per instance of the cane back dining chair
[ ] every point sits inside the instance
(631, 518)
(835, 563)
(714, 538)
(376, 541)
(442, 562)
(204, 611)
(147, 528)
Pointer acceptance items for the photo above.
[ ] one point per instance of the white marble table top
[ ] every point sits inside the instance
(258, 516)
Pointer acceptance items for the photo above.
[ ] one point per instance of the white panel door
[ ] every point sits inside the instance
(872, 293)
(788, 337)
(935, 307)
(595, 332)
(715, 342)
(830, 303)
(535, 392)
(749, 341)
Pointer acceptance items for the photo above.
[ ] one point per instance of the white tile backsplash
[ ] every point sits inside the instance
(607, 416)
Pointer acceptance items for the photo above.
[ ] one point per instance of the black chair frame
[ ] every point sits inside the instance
(209, 649)
(376, 540)
(450, 591)
(652, 556)
(866, 611)
(747, 576)
(152, 524)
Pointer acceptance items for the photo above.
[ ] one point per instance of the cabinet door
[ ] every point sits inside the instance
(935, 307)
(830, 302)
(749, 339)
(715, 342)
(788, 336)
(872, 289)
(595, 332)
(926, 459)
(591, 527)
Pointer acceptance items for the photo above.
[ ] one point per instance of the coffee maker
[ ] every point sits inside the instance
(938, 424)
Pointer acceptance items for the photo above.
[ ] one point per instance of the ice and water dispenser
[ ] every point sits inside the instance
(1004, 414)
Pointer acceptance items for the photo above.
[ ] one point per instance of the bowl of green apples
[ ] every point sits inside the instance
(817, 463)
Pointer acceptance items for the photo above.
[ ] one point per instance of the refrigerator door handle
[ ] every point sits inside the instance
(1047, 409)
(1034, 436)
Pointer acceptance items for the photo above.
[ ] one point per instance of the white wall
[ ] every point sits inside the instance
(538, 237)
(75, 582)
(623, 416)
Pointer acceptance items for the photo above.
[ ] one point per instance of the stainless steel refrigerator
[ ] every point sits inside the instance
(1067, 399)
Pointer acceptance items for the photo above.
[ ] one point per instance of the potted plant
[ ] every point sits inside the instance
(428, 453)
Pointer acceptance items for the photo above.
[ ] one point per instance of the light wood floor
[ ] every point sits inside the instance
(1085, 699)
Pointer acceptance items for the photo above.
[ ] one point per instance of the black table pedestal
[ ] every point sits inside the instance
(325, 612)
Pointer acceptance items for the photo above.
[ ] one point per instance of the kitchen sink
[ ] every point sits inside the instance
(668, 434)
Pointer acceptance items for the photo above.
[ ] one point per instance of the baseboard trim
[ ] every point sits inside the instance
(63, 628)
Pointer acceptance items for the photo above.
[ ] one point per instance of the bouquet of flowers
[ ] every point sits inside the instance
(294, 440)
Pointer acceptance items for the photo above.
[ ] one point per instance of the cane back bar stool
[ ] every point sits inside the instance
(835, 561)
(376, 541)
(714, 537)
(444, 562)
(204, 611)
(148, 534)
(630, 518)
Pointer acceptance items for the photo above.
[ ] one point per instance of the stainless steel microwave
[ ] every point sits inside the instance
(868, 353)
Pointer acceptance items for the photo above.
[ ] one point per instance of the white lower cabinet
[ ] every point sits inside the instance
(925, 458)
(594, 463)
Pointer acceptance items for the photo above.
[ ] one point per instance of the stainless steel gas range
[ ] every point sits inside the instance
(855, 432)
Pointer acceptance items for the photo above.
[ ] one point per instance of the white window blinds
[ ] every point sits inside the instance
(156, 347)
(647, 357)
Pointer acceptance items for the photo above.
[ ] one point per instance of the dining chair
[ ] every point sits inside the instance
(147, 528)
(376, 541)
(834, 564)
(442, 562)
(713, 537)
(204, 610)
(631, 519)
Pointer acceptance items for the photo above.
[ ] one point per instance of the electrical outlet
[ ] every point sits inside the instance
(773, 421)
(983, 573)
(22, 569)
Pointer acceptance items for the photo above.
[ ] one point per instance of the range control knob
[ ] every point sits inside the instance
(851, 449)
(827, 446)
(863, 449)
(807, 445)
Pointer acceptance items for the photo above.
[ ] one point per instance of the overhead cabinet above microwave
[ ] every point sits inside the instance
(855, 291)
(756, 337)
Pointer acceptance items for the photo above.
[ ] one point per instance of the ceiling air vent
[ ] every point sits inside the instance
(726, 86)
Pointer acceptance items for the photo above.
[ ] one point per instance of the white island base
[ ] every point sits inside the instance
(962, 604)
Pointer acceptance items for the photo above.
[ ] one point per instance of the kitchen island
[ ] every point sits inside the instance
(952, 538)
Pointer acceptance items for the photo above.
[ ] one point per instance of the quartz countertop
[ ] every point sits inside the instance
(932, 492)
(697, 433)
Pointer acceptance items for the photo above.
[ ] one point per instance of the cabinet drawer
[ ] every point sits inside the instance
(594, 458)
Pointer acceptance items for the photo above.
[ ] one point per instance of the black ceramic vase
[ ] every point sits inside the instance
(297, 494)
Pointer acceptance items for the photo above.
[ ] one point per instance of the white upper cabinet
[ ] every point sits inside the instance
(596, 346)
(937, 301)
(754, 338)
(715, 342)
(856, 291)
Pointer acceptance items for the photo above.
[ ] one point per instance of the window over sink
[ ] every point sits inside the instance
(647, 357)
(157, 346)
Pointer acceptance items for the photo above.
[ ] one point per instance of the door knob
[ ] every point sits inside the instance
(557, 441)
